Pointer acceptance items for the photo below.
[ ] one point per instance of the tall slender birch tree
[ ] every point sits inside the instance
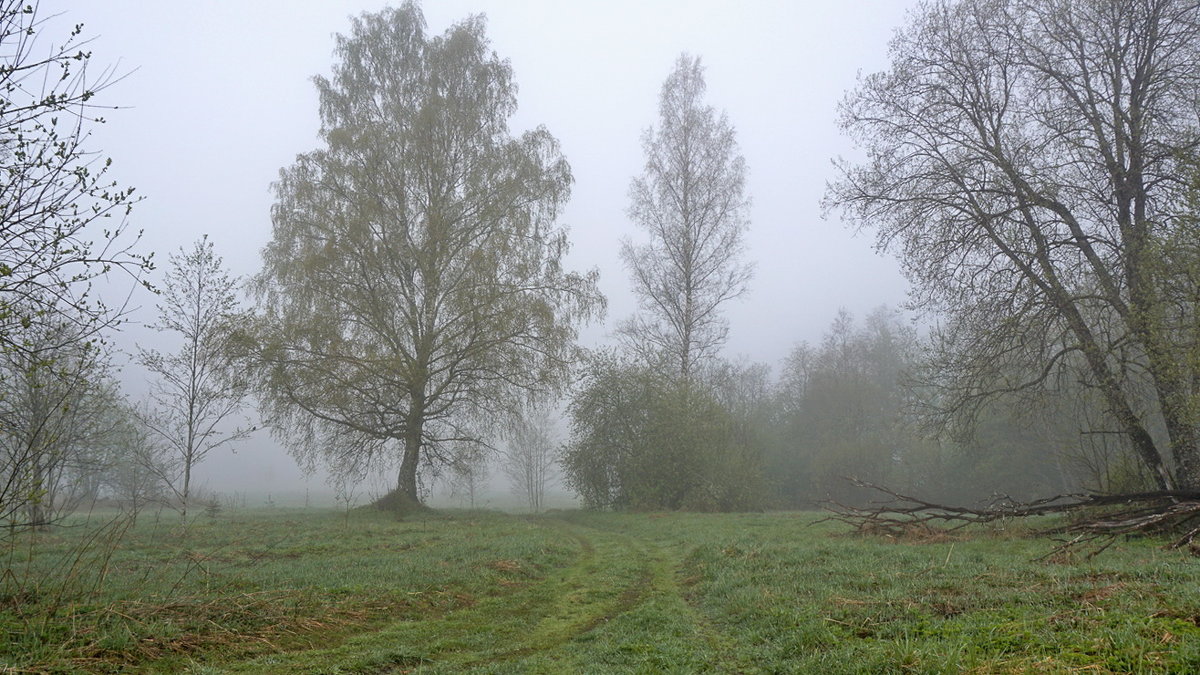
(198, 392)
(691, 200)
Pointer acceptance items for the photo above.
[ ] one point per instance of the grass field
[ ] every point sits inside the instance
(300, 591)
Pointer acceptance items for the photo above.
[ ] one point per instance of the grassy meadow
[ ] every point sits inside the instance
(322, 591)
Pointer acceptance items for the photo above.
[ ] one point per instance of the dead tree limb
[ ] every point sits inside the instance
(1097, 519)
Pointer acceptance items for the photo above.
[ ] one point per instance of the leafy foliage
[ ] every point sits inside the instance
(60, 409)
(842, 409)
(647, 442)
(413, 292)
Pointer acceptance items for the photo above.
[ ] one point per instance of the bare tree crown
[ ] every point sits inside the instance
(691, 200)
(1030, 162)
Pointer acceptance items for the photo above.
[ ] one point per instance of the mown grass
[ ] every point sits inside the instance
(823, 600)
(253, 582)
(309, 591)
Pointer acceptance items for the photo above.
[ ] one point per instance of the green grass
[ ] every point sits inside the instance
(309, 591)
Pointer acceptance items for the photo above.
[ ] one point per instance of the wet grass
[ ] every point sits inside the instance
(306, 591)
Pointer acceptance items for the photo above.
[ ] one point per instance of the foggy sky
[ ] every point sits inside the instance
(217, 97)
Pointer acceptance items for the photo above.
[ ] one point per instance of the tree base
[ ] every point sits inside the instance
(400, 503)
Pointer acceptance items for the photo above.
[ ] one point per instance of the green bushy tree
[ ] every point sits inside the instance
(641, 440)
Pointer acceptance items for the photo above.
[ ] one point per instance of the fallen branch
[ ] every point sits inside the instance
(1101, 518)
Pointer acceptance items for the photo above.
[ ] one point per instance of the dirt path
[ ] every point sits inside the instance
(605, 605)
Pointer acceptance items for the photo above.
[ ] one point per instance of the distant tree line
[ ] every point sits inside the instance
(849, 407)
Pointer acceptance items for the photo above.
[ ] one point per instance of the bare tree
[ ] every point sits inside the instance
(691, 200)
(62, 219)
(530, 457)
(468, 473)
(413, 293)
(1030, 160)
(198, 393)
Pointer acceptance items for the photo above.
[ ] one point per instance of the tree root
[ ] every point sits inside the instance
(400, 503)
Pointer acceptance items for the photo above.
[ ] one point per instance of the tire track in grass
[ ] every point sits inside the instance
(682, 631)
(612, 582)
(566, 620)
(612, 574)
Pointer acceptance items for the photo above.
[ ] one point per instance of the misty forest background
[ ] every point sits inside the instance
(414, 317)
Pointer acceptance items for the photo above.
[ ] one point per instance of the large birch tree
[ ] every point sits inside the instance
(413, 292)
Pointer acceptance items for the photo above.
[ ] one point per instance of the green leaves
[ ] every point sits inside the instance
(641, 440)
(413, 292)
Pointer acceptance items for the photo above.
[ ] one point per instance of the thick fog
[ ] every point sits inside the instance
(216, 97)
